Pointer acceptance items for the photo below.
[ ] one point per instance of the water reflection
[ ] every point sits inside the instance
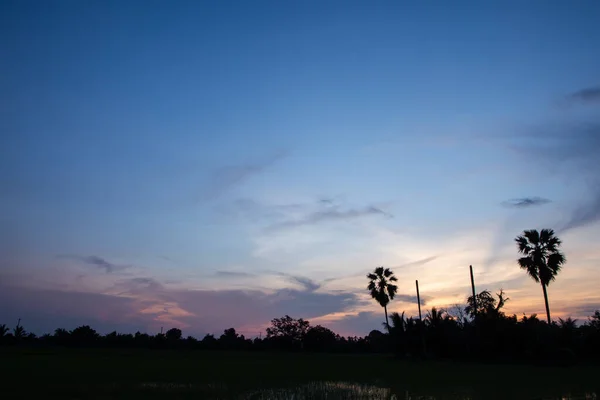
(332, 390)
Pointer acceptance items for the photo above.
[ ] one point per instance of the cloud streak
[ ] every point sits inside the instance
(525, 202)
(225, 178)
(330, 215)
(571, 149)
(417, 263)
(587, 95)
(234, 274)
(307, 284)
(97, 262)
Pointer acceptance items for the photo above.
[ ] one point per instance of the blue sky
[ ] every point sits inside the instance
(160, 154)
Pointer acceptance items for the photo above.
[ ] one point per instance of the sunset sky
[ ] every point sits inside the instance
(207, 165)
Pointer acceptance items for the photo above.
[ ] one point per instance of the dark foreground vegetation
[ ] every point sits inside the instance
(137, 373)
(461, 334)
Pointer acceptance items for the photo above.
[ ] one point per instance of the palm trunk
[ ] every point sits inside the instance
(387, 323)
(547, 305)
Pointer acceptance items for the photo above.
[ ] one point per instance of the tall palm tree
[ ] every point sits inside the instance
(382, 289)
(541, 259)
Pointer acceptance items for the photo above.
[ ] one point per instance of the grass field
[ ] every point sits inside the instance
(103, 374)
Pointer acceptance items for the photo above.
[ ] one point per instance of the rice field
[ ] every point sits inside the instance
(144, 374)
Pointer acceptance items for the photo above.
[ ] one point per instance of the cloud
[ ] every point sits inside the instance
(225, 178)
(568, 149)
(581, 311)
(417, 263)
(307, 284)
(581, 148)
(146, 304)
(405, 298)
(44, 310)
(234, 274)
(143, 283)
(587, 95)
(525, 202)
(96, 261)
(331, 214)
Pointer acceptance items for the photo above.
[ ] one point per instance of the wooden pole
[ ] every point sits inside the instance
(473, 289)
(418, 299)
(423, 344)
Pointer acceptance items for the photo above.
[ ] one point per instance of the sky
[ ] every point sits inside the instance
(206, 165)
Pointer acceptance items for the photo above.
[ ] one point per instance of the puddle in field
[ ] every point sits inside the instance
(349, 391)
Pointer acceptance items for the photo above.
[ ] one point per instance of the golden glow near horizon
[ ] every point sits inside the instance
(443, 277)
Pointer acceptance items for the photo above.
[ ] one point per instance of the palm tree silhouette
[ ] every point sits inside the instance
(435, 317)
(542, 258)
(382, 289)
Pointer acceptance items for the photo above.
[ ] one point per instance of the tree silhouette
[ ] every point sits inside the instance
(435, 317)
(541, 259)
(382, 289)
(487, 305)
(594, 320)
(19, 332)
(319, 338)
(174, 334)
(287, 331)
(3, 330)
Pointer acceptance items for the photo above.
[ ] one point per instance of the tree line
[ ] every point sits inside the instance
(476, 330)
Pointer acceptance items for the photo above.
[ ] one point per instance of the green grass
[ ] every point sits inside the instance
(99, 373)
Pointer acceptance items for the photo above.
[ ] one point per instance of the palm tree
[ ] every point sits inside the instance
(541, 259)
(435, 317)
(382, 289)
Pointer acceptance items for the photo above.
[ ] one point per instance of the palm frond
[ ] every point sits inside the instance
(556, 261)
(528, 265)
(533, 236)
(522, 244)
(392, 290)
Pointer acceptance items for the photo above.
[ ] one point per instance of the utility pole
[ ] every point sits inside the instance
(418, 299)
(473, 289)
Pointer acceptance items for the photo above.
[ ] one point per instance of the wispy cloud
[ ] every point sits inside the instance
(330, 215)
(227, 177)
(587, 95)
(570, 148)
(582, 146)
(417, 263)
(97, 262)
(307, 284)
(405, 298)
(234, 274)
(524, 202)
